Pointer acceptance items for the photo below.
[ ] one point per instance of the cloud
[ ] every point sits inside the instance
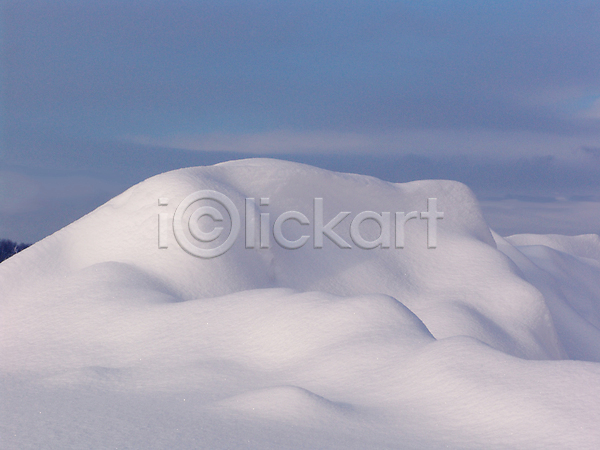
(273, 142)
(436, 142)
(513, 216)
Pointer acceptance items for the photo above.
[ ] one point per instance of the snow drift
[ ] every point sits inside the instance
(482, 342)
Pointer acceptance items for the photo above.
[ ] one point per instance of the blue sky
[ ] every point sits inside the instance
(504, 96)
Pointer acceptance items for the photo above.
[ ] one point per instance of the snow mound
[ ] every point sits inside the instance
(113, 324)
(567, 271)
(584, 246)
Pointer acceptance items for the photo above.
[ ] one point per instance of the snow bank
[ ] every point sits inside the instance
(461, 345)
(566, 269)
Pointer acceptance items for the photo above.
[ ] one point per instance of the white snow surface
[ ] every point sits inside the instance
(108, 341)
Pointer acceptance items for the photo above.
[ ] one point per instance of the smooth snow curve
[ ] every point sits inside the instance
(108, 340)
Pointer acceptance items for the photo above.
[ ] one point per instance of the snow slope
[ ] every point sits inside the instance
(108, 341)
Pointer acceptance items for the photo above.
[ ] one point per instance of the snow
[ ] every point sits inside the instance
(109, 341)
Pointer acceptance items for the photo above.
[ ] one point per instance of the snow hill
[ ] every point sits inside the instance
(109, 341)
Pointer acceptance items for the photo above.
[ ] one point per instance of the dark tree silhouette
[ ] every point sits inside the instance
(9, 248)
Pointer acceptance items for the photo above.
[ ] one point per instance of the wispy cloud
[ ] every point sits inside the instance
(432, 142)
